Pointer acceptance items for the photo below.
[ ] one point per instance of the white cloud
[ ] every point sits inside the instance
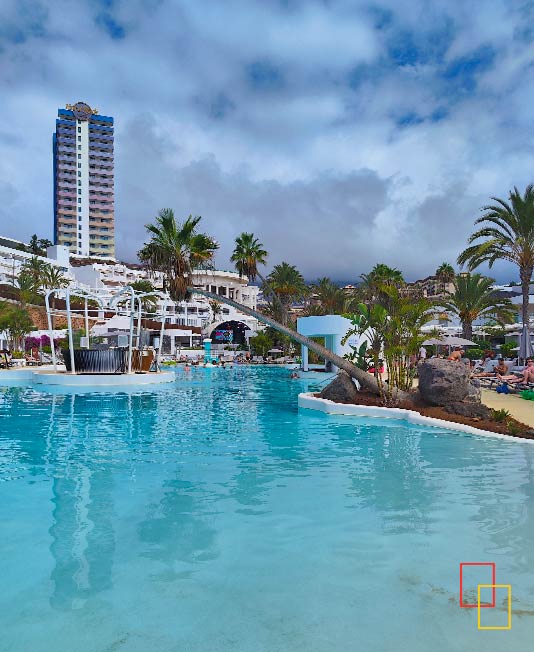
(292, 119)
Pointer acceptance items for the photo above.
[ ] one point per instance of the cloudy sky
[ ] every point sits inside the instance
(342, 133)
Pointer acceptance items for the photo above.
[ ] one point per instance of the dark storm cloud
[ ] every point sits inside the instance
(341, 133)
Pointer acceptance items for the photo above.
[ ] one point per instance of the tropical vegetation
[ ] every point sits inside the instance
(473, 298)
(149, 302)
(507, 233)
(288, 285)
(326, 298)
(373, 287)
(445, 273)
(16, 323)
(261, 343)
(176, 250)
(391, 331)
(247, 255)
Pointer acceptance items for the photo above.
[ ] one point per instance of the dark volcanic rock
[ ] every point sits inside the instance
(442, 382)
(341, 390)
(469, 409)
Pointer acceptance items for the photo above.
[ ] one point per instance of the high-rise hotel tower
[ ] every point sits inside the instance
(84, 181)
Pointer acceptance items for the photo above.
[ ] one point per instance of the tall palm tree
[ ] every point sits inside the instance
(177, 250)
(247, 255)
(445, 273)
(473, 297)
(288, 284)
(36, 269)
(507, 234)
(331, 299)
(375, 283)
(53, 277)
(383, 274)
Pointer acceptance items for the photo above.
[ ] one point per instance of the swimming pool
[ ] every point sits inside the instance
(212, 515)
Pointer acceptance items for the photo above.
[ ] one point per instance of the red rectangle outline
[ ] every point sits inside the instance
(493, 581)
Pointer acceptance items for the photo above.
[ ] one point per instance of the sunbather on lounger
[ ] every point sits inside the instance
(526, 377)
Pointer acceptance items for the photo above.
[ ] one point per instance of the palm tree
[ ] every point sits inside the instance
(473, 297)
(38, 246)
(36, 269)
(26, 289)
(144, 286)
(177, 250)
(216, 310)
(52, 279)
(288, 284)
(507, 234)
(247, 255)
(445, 273)
(330, 298)
(383, 274)
(373, 288)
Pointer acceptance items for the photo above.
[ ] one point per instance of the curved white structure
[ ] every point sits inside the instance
(42, 377)
(308, 401)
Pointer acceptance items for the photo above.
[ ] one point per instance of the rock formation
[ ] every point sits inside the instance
(341, 390)
(448, 384)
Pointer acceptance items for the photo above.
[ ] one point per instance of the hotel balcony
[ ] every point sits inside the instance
(100, 144)
(94, 206)
(97, 187)
(100, 188)
(66, 123)
(105, 177)
(101, 220)
(100, 128)
(62, 143)
(101, 162)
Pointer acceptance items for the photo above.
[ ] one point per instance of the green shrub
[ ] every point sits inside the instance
(474, 354)
(482, 344)
(17, 355)
(513, 428)
(507, 350)
(500, 416)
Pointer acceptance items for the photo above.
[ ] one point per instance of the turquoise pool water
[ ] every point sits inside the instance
(212, 515)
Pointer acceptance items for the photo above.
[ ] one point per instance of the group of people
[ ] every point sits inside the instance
(501, 371)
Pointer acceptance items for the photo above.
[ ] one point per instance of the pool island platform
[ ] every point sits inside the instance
(47, 376)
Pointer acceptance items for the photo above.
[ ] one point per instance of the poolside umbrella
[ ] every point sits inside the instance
(526, 350)
(449, 340)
